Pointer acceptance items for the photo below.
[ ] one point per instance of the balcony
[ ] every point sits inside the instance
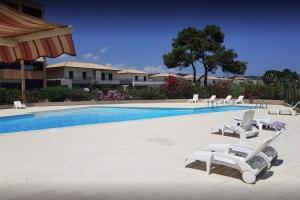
(15, 74)
(108, 82)
(147, 83)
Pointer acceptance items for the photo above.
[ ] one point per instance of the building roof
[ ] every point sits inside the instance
(131, 71)
(164, 75)
(224, 78)
(82, 65)
(190, 77)
(242, 78)
(212, 78)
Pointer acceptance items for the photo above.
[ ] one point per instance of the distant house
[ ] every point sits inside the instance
(81, 74)
(190, 77)
(211, 80)
(136, 78)
(240, 79)
(129, 75)
(163, 76)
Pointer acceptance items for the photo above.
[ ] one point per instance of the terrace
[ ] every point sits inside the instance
(138, 159)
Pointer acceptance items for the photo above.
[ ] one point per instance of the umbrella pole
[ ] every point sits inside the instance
(23, 86)
(44, 72)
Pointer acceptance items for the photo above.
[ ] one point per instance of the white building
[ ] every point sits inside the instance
(163, 76)
(190, 77)
(136, 78)
(81, 74)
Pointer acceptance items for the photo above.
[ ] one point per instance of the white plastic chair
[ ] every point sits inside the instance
(19, 105)
(195, 99)
(227, 99)
(238, 100)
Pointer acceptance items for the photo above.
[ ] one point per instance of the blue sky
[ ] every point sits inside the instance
(137, 33)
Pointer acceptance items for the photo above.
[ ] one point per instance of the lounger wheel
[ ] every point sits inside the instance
(248, 177)
(274, 159)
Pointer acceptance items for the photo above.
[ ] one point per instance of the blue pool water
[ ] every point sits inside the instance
(96, 115)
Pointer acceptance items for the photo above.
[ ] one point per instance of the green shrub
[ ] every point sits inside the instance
(13, 95)
(3, 93)
(77, 94)
(220, 89)
(34, 96)
(9, 96)
(146, 94)
(201, 91)
(56, 94)
(236, 90)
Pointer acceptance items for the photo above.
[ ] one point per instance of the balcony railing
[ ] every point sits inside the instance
(15, 74)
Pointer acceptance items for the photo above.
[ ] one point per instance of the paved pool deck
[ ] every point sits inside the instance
(143, 159)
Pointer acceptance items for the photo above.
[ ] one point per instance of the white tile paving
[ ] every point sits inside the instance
(136, 160)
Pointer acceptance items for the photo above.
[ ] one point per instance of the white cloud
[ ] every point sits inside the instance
(104, 49)
(88, 55)
(158, 69)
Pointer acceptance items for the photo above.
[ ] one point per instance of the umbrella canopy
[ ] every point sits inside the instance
(24, 37)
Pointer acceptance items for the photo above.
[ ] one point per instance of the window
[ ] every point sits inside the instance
(15, 65)
(110, 76)
(71, 74)
(83, 75)
(136, 78)
(145, 78)
(33, 66)
(103, 76)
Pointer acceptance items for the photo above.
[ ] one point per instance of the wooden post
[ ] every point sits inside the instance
(44, 72)
(23, 78)
(20, 4)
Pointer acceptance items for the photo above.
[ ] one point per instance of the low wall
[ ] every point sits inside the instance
(72, 103)
(268, 101)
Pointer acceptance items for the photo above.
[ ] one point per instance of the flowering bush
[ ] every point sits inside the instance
(221, 89)
(177, 88)
(112, 95)
(146, 93)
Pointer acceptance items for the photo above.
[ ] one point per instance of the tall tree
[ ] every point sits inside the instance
(272, 77)
(193, 46)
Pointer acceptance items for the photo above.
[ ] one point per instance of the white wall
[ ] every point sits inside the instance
(132, 77)
(77, 73)
(90, 74)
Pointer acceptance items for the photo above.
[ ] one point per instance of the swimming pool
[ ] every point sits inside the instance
(96, 115)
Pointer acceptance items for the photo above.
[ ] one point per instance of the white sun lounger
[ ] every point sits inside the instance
(227, 99)
(238, 100)
(285, 110)
(250, 164)
(261, 122)
(19, 105)
(268, 153)
(244, 129)
(212, 99)
(195, 99)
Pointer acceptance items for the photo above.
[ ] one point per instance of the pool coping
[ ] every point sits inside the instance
(126, 107)
(168, 108)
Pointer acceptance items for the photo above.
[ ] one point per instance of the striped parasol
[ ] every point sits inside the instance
(24, 37)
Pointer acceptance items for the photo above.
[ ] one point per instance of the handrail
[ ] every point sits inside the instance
(296, 105)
